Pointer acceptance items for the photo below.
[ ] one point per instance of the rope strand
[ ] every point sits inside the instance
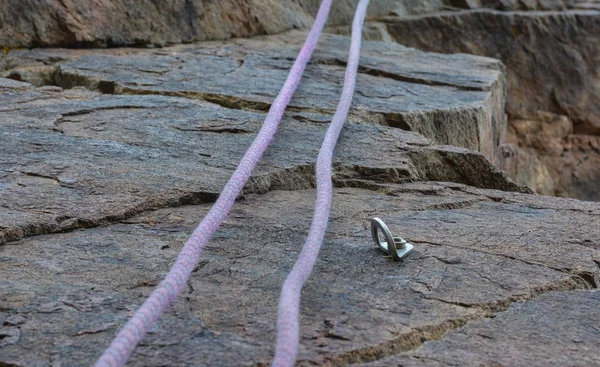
(136, 328)
(288, 328)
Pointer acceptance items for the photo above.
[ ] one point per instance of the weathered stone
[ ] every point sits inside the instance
(551, 57)
(145, 22)
(372, 31)
(456, 100)
(57, 168)
(76, 289)
(527, 169)
(142, 164)
(552, 160)
(564, 323)
(552, 63)
(513, 4)
(586, 5)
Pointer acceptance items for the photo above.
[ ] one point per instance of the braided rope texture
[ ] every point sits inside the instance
(288, 328)
(119, 351)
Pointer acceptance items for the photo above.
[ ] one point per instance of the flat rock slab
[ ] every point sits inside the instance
(101, 186)
(456, 100)
(564, 322)
(477, 252)
(79, 158)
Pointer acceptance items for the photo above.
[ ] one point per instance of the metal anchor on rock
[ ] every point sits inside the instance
(396, 247)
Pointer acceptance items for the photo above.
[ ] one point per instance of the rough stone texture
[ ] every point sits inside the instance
(78, 287)
(514, 337)
(57, 170)
(552, 63)
(68, 23)
(59, 144)
(514, 4)
(70, 292)
(551, 57)
(544, 154)
(100, 191)
(586, 5)
(451, 99)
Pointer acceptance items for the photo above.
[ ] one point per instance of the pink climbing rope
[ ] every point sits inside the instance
(288, 328)
(136, 328)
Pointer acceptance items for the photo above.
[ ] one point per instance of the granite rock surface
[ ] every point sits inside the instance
(551, 60)
(109, 159)
(478, 254)
(68, 23)
(513, 337)
(452, 99)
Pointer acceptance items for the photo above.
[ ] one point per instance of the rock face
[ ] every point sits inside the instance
(44, 23)
(551, 57)
(58, 148)
(72, 291)
(456, 100)
(514, 4)
(106, 172)
(513, 337)
(52, 23)
(543, 153)
(175, 150)
(552, 63)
